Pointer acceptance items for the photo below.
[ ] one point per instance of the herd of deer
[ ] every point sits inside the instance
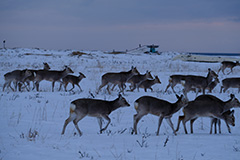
(203, 106)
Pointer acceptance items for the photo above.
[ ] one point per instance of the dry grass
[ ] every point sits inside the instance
(77, 53)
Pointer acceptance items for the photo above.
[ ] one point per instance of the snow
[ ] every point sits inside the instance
(31, 122)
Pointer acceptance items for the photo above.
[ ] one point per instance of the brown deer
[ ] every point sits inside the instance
(215, 122)
(228, 64)
(211, 86)
(95, 108)
(230, 83)
(198, 82)
(161, 108)
(174, 80)
(74, 80)
(208, 106)
(117, 79)
(134, 80)
(148, 83)
(33, 76)
(53, 76)
(16, 76)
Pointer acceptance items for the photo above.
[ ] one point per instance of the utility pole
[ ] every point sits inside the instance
(4, 41)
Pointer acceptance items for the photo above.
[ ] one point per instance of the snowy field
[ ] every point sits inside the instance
(31, 122)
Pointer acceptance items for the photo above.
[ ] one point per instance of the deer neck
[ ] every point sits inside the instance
(114, 105)
(176, 106)
(209, 78)
(227, 105)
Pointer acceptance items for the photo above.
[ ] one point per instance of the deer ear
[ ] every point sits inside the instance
(119, 95)
(232, 96)
(177, 96)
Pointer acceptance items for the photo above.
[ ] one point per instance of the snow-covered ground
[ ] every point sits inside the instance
(31, 122)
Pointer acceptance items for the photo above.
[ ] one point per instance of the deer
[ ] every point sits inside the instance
(230, 83)
(161, 108)
(135, 79)
(215, 122)
(16, 76)
(74, 80)
(119, 79)
(32, 77)
(198, 82)
(148, 83)
(174, 80)
(209, 106)
(53, 76)
(211, 86)
(100, 109)
(228, 64)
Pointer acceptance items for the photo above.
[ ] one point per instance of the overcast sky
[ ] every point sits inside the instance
(175, 25)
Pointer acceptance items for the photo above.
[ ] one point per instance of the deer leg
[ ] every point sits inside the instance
(133, 87)
(229, 129)
(109, 120)
(67, 121)
(114, 87)
(219, 126)
(65, 86)
(100, 122)
(108, 89)
(167, 87)
(223, 70)
(180, 118)
(171, 124)
(79, 87)
(159, 124)
(136, 119)
(73, 86)
(104, 83)
(191, 124)
(53, 83)
(213, 121)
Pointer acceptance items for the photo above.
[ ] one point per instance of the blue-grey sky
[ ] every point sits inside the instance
(175, 25)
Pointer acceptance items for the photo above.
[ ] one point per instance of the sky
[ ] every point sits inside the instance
(174, 25)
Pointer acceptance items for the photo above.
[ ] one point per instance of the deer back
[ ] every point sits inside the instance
(119, 77)
(231, 82)
(53, 75)
(97, 107)
(155, 106)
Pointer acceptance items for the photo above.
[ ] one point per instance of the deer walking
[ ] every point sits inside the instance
(134, 80)
(148, 83)
(228, 64)
(28, 79)
(16, 76)
(161, 108)
(53, 76)
(74, 80)
(117, 79)
(198, 82)
(94, 108)
(208, 106)
(230, 83)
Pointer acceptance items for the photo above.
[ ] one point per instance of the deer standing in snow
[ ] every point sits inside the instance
(208, 106)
